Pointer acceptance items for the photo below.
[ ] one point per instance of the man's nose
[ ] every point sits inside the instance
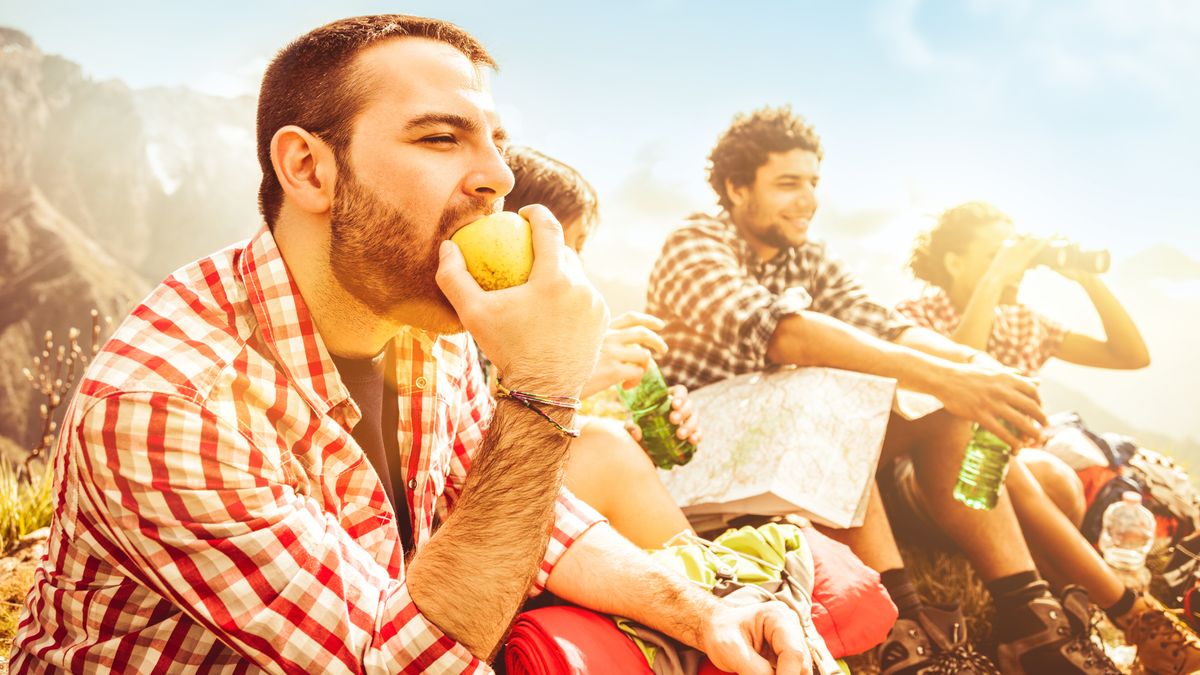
(491, 176)
(806, 196)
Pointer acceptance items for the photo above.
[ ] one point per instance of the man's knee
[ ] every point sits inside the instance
(609, 448)
(936, 439)
(1058, 481)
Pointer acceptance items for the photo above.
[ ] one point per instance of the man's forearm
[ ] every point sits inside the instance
(473, 575)
(933, 342)
(604, 572)
(813, 339)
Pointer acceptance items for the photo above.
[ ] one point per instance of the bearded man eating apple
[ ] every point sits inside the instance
(251, 465)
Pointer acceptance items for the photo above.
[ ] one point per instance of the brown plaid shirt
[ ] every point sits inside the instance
(721, 303)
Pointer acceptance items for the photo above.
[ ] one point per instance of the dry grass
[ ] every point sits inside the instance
(24, 509)
(24, 506)
(13, 588)
(944, 578)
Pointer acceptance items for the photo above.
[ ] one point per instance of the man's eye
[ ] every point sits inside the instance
(442, 139)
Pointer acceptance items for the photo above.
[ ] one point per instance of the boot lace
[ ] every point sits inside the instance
(1172, 635)
(1093, 654)
(962, 659)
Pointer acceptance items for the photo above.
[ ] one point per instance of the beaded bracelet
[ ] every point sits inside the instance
(528, 400)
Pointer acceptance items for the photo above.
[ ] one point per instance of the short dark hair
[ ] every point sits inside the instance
(746, 144)
(311, 84)
(540, 179)
(954, 231)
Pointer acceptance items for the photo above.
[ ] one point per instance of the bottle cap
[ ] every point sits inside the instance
(1131, 497)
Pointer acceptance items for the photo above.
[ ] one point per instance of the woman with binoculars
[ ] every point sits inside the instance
(973, 262)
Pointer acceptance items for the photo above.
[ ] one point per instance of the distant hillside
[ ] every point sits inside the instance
(1159, 262)
(1058, 397)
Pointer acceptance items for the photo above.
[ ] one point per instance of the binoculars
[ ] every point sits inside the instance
(1066, 255)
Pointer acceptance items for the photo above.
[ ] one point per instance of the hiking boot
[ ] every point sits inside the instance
(1165, 645)
(935, 643)
(1064, 645)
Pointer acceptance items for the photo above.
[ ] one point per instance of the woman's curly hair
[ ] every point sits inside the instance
(954, 231)
(746, 144)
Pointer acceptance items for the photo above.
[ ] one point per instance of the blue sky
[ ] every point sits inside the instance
(1075, 116)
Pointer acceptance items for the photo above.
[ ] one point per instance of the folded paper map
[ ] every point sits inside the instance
(797, 440)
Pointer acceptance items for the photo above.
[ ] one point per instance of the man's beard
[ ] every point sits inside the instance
(772, 234)
(377, 255)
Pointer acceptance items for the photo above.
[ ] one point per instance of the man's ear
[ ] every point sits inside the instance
(736, 193)
(305, 167)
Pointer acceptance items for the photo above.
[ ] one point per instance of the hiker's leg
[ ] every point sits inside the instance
(873, 542)
(991, 539)
(610, 471)
(1031, 625)
(1060, 548)
(1058, 480)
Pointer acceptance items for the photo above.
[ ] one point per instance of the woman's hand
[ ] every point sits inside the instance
(681, 415)
(629, 344)
(1013, 259)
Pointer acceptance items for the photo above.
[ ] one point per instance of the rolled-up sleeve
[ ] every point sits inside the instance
(839, 294)
(572, 517)
(699, 282)
(190, 507)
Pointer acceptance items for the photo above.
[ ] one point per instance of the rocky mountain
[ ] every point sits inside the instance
(103, 191)
(158, 176)
(200, 151)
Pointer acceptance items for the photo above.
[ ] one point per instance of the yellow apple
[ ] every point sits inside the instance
(498, 249)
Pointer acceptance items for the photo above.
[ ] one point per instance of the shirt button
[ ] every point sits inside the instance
(421, 382)
(412, 483)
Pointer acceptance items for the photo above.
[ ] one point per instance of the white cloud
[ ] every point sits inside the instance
(896, 22)
(1062, 66)
(1077, 43)
(1153, 44)
(243, 81)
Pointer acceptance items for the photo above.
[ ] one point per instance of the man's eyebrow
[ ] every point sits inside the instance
(450, 119)
(796, 176)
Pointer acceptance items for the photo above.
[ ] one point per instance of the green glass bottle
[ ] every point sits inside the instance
(650, 404)
(983, 470)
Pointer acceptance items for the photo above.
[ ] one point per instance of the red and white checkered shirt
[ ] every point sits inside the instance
(214, 513)
(1021, 338)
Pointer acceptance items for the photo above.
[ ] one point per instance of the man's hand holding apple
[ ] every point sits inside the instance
(545, 334)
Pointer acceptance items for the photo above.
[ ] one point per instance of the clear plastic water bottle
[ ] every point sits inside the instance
(984, 466)
(1126, 539)
(650, 404)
